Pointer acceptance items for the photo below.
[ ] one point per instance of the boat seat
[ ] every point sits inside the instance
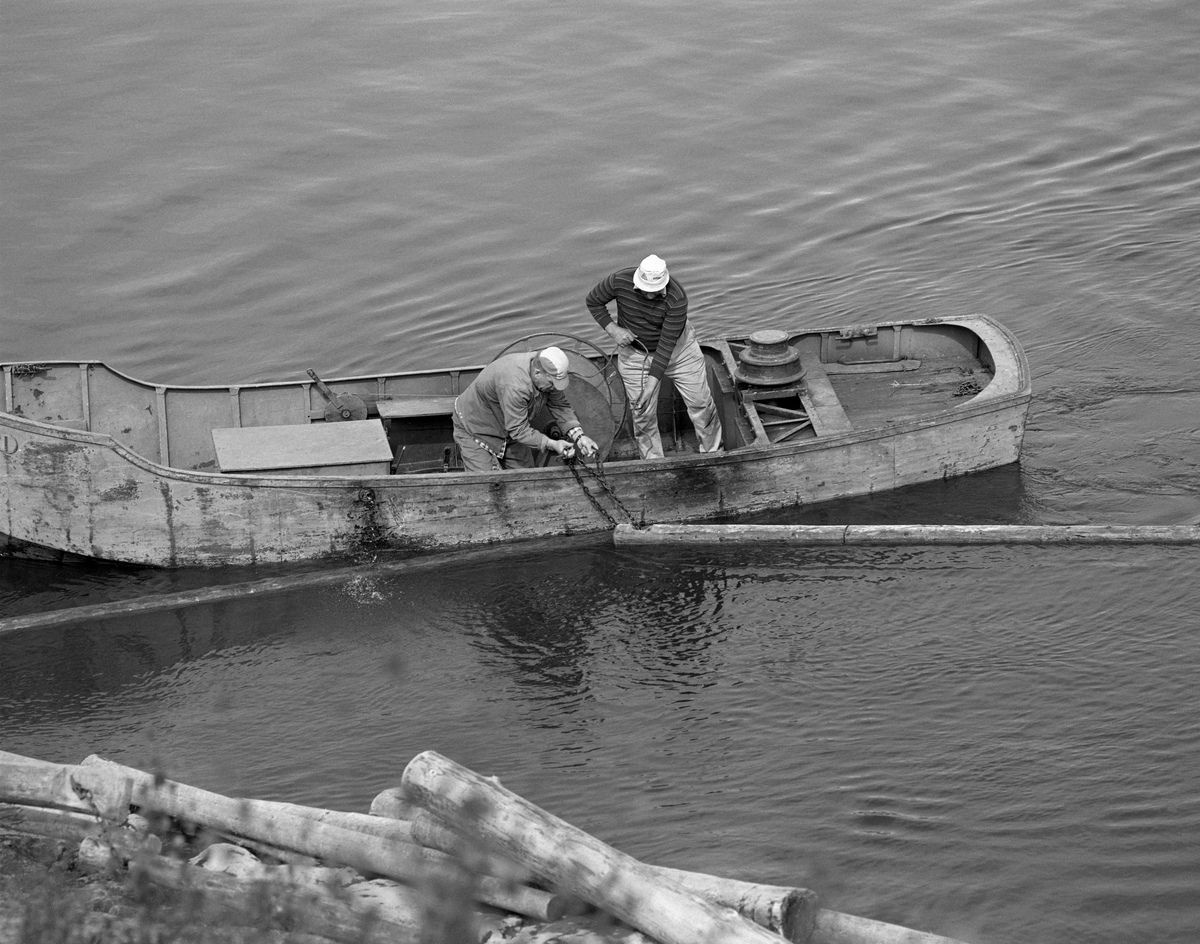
(395, 408)
(356, 447)
(820, 400)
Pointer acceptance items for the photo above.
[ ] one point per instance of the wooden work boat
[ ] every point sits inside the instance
(97, 464)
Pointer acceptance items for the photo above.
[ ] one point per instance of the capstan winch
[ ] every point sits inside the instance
(768, 360)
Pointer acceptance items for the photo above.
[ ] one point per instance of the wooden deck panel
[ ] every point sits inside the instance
(414, 406)
(354, 448)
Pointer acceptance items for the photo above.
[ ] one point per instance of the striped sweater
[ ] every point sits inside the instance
(656, 322)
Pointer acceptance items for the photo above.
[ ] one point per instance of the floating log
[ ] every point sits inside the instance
(802, 535)
(209, 596)
(790, 911)
(568, 858)
(158, 602)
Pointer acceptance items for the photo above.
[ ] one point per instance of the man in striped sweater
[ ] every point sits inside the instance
(654, 339)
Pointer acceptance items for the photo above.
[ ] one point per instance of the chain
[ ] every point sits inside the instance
(592, 498)
(574, 464)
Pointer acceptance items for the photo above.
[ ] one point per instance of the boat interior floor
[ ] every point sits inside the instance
(870, 399)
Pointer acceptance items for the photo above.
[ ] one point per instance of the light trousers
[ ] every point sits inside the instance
(688, 372)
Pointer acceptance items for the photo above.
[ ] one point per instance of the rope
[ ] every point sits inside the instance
(649, 359)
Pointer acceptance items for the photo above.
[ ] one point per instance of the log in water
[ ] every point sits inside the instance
(897, 534)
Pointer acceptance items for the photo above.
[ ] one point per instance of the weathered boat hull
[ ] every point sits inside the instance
(79, 492)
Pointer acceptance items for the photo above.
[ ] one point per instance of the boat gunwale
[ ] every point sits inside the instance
(213, 388)
(964, 321)
(753, 452)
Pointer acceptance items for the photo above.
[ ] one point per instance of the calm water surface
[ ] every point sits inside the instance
(999, 744)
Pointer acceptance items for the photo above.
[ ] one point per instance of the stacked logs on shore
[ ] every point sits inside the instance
(447, 856)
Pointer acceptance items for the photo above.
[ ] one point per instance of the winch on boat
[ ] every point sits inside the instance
(772, 390)
(768, 360)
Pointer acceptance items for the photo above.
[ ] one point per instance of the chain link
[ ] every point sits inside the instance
(574, 464)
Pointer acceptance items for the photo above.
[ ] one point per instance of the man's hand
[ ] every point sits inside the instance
(649, 394)
(582, 443)
(587, 446)
(562, 447)
(623, 336)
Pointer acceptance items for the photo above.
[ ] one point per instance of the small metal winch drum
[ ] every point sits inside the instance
(769, 360)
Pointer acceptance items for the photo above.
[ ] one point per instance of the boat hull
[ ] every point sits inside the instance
(76, 492)
(73, 494)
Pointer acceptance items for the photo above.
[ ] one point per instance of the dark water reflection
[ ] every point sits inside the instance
(546, 630)
(991, 742)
